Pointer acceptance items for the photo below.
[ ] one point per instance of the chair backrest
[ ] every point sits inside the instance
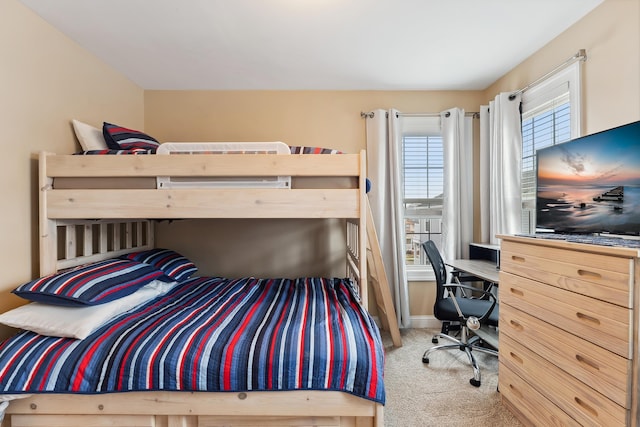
(437, 263)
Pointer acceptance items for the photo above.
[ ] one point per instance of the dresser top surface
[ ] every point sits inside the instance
(607, 246)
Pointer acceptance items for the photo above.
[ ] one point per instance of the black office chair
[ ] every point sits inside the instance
(471, 307)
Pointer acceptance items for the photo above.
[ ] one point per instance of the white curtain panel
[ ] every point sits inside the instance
(483, 165)
(384, 170)
(503, 212)
(457, 209)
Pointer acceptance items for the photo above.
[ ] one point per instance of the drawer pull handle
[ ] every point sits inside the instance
(589, 274)
(588, 318)
(587, 362)
(517, 258)
(516, 391)
(516, 357)
(585, 406)
(516, 325)
(516, 292)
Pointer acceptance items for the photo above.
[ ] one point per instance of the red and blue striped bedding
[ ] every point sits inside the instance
(213, 334)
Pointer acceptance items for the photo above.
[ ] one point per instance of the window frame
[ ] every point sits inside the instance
(542, 93)
(421, 126)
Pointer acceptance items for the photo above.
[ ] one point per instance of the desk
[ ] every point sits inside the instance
(482, 269)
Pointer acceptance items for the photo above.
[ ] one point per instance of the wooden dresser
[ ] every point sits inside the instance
(569, 332)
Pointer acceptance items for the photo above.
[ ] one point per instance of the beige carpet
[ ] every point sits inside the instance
(439, 393)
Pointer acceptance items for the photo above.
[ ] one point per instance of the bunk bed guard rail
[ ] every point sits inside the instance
(276, 147)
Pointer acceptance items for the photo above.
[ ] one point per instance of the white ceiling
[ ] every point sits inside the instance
(313, 44)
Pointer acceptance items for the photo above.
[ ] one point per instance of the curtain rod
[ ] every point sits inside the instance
(580, 56)
(370, 114)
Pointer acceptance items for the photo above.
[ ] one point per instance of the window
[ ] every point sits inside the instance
(423, 166)
(550, 115)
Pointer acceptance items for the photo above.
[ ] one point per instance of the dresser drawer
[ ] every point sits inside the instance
(603, 370)
(529, 402)
(577, 399)
(604, 277)
(604, 324)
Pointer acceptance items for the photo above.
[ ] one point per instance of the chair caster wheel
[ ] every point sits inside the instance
(474, 382)
(434, 340)
(425, 360)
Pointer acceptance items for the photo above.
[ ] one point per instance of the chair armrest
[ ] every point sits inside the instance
(451, 288)
(461, 276)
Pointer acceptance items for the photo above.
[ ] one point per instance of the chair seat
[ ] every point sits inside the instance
(444, 309)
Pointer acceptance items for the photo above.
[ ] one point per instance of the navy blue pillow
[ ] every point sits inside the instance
(121, 138)
(90, 284)
(171, 263)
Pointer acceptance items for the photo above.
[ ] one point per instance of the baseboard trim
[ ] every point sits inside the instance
(419, 322)
(428, 322)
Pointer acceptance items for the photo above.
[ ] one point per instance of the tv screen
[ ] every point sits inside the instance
(591, 185)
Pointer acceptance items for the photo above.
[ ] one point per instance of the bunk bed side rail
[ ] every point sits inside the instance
(202, 165)
(203, 203)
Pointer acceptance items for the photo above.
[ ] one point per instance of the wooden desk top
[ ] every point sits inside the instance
(483, 269)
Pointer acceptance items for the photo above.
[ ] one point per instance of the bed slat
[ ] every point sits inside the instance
(87, 247)
(104, 238)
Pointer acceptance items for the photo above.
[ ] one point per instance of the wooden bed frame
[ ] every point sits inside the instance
(82, 225)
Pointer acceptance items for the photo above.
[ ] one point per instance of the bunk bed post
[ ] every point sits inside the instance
(362, 231)
(47, 228)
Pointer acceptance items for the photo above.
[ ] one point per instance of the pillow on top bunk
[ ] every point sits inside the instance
(79, 322)
(90, 137)
(90, 284)
(172, 264)
(121, 138)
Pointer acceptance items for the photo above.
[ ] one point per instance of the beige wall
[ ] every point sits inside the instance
(610, 34)
(45, 81)
(312, 118)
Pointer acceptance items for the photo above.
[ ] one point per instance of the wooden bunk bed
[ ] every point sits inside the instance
(80, 225)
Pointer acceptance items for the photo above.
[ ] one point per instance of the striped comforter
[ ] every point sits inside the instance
(213, 334)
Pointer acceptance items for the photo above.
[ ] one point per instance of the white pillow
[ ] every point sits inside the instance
(78, 322)
(90, 137)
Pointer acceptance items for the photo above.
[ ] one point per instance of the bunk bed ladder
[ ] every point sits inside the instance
(380, 284)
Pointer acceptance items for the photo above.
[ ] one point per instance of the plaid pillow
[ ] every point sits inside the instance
(172, 264)
(90, 284)
(121, 138)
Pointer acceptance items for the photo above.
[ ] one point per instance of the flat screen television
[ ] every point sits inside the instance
(591, 185)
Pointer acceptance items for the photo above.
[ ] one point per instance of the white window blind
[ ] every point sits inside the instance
(550, 115)
(423, 184)
(423, 174)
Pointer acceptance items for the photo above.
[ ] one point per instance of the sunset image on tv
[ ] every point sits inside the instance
(591, 184)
